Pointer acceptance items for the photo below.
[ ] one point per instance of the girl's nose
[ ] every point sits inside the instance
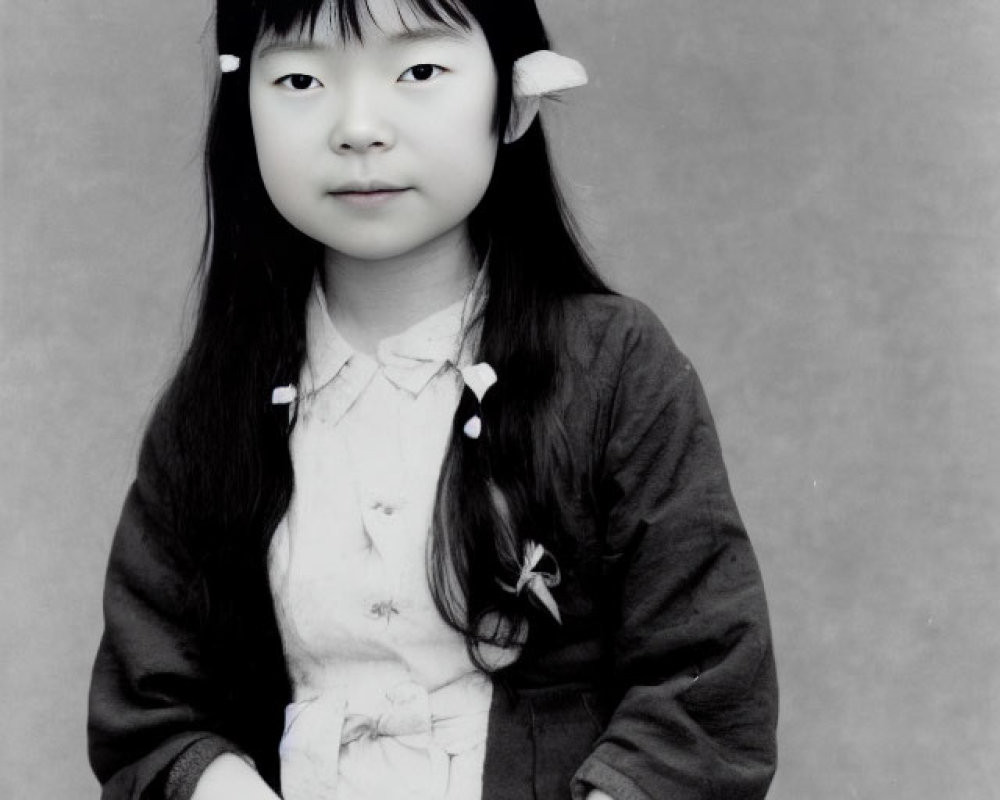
(360, 127)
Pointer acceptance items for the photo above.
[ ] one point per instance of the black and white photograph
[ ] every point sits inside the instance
(500, 400)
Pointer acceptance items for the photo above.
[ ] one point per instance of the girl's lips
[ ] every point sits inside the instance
(368, 197)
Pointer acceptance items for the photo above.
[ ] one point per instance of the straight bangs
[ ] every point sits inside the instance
(512, 30)
(348, 17)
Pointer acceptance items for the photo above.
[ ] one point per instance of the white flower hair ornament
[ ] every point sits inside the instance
(228, 63)
(537, 580)
(479, 378)
(538, 75)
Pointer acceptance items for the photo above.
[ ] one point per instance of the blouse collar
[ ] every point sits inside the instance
(409, 359)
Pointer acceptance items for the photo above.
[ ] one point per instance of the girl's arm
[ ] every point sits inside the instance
(151, 703)
(692, 653)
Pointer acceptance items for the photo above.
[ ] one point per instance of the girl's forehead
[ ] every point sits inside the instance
(346, 20)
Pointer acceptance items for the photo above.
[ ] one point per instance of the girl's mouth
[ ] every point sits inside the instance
(367, 196)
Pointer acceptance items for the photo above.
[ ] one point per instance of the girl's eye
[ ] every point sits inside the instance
(299, 82)
(421, 72)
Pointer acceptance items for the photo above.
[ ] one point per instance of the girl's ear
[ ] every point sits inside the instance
(537, 75)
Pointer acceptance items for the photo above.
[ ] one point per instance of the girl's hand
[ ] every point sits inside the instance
(229, 777)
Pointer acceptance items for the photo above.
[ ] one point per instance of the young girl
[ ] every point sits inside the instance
(427, 511)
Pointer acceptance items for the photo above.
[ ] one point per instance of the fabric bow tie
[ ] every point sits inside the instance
(408, 718)
(535, 580)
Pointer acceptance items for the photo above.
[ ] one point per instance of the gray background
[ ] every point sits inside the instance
(807, 191)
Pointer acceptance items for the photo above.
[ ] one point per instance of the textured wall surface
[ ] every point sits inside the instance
(807, 191)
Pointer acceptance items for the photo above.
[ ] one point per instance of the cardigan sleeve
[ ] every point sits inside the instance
(692, 656)
(150, 707)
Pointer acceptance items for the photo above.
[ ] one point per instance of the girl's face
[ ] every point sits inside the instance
(376, 147)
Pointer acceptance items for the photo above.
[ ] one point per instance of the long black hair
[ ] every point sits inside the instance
(231, 444)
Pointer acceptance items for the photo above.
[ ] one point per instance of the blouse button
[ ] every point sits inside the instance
(384, 610)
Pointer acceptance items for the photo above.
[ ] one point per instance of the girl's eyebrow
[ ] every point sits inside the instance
(427, 33)
(284, 45)
(409, 36)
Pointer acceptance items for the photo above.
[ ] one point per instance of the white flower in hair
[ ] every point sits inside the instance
(229, 63)
(537, 75)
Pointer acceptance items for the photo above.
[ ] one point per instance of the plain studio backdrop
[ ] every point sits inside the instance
(806, 191)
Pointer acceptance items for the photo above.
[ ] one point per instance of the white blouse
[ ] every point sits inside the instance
(387, 703)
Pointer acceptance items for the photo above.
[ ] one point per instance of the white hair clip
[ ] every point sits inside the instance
(285, 396)
(229, 63)
(537, 75)
(473, 427)
(479, 378)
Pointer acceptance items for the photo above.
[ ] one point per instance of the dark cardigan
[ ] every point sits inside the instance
(659, 685)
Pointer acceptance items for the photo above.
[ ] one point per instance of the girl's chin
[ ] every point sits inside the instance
(384, 246)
